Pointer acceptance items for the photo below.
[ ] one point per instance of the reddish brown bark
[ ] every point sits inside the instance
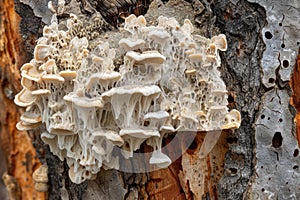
(16, 145)
(295, 100)
(206, 172)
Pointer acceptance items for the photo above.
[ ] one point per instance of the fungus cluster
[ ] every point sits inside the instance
(168, 82)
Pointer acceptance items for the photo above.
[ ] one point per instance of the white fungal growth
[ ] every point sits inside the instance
(168, 82)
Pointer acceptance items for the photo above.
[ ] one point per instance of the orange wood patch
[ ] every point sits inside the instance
(16, 145)
(295, 99)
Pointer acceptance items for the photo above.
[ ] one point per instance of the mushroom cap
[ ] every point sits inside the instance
(190, 51)
(130, 44)
(156, 115)
(109, 76)
(41, 187)
(167, 128)
(40, 92)
(40, 175)
(28, 83)
(213, 48)
(41, 51)
(68, 74)
(220, 42)
(233, 120)
(146, 57)
(167, 22)
(133, 89)
(111, 136)
(139, 133)
(159, 34)
(130, 18)
(49, 66)
(30, 117)
(47, 31)
(200, 113)
(30, 72)
(27, 67)
(61, 131)
(159, 159)
(24, 98)
(97, 59)
(52, 78)
(187, 26)
(196, 57)
(84, 102)
(102, 77)
(210, 58)
(137, 20)
(190, 71)
(23, 126)
(232, 125)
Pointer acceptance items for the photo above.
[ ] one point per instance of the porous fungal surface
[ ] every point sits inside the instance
(168, 82)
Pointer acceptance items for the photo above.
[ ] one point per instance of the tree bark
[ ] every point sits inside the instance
(258, 160)
(20, 155)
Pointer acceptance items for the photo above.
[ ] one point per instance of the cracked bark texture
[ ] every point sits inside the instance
(260, 160)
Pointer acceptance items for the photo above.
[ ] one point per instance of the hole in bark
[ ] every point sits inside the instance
(277, 156)
(263, 189)
(271, 80)
(296, 167)
(268, 35)
(296, 153)
(277, 140)
(280, 120)
(262, 116)
(230, 98)
(280, 24)
(298, 43)
(285, 63)
(231, 140)
(233, 170)
(282, 45)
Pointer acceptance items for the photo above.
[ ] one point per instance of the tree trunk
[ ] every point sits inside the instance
(260, 160)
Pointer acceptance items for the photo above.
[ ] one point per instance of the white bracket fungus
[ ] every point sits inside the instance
(40, 178)
(168, 82)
